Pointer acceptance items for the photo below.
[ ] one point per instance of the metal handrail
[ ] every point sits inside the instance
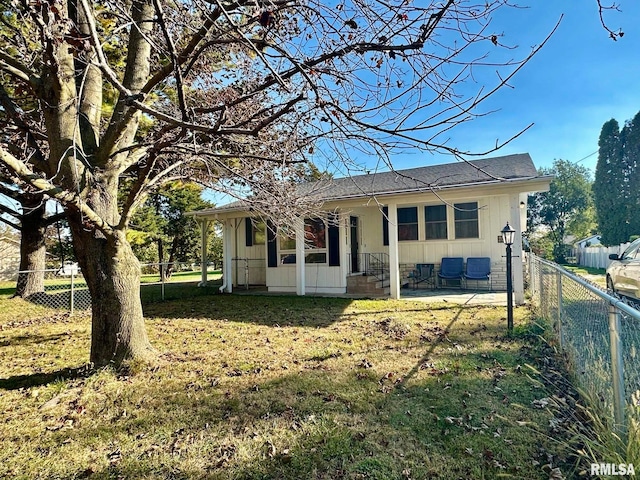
(371, 264)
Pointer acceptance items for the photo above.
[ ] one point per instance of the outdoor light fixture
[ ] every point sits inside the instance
(508, 235)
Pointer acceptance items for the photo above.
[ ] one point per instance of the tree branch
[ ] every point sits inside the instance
(69, 199)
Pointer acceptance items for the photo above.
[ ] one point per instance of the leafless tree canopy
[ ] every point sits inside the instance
(233, 93)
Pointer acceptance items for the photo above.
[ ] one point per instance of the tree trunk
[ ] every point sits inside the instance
(112, 273)
(172, 255)
(32, 250)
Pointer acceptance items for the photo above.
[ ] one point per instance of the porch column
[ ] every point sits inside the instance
(204, 225)
(394, 267)
(227, 254)
(518, 274)
(344, 246)
(300, 270)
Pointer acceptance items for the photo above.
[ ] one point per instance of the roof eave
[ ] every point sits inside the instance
(510, 181)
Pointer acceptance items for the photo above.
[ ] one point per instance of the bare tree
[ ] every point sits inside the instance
(27, 214)
(231, 93)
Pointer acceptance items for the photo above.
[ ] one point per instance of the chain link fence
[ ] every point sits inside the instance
(63, 289)
(599, 335)
(66, 289)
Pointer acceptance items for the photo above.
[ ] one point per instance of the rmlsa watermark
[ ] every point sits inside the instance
(613, 469)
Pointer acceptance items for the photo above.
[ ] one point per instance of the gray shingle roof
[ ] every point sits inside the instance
(508, 167)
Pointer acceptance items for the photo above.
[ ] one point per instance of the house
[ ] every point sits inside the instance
(9, 256)
(590, 241)
(384, 224)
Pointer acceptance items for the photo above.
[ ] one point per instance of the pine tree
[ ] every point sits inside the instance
(610, 188)
(631, 161)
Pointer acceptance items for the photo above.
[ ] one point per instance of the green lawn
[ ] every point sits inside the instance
(594, 275)
(58, 291)
(269, 387)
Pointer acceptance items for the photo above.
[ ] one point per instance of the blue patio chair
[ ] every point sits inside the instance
(451, 268)
(424, 272)
(478, 269)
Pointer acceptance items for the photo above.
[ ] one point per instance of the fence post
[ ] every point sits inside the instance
(541, 289)
(162, 270)
(71, 299)
(559, 293)
(532, 283)
(617, 371)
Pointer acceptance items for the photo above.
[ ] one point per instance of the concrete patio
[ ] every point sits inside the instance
(457, 296)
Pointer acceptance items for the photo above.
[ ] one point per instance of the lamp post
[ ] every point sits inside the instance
(508, 235)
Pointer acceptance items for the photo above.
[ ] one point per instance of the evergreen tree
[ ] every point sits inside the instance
(617, 186)
(631, 162)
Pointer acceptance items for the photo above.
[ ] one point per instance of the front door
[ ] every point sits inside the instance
(353, 223)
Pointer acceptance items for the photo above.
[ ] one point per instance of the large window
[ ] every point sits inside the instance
(435, 222)
(315, 243)
(408, 223)
(466, 220)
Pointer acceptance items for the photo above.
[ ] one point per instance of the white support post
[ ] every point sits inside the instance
(344, 258)
(394, 266)
(300, 270)
(518, 273)
(204, 225)
(227, 263)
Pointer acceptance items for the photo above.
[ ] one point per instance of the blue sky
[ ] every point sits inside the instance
(578, 81)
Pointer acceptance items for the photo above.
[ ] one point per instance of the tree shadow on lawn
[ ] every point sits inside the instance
(258, 309)
(33, 339)
(311, 425)
(281, 310)
(40, 379)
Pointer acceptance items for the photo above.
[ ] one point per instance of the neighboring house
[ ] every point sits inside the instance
(9, 257)
(390, 220)
(591, 241)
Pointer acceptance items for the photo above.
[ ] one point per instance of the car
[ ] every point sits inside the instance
(623, 275)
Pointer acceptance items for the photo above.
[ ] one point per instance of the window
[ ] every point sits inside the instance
(315, 235)
(259, 232)
(631, 252)
(288, 243)
(466, 220)
(315, 243)
(408, 223)
(435, 222)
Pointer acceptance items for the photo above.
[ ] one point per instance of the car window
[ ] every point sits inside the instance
(631, 252)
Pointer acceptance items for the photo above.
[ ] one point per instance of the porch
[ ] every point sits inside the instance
(461, 297)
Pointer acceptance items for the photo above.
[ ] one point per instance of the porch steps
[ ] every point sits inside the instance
(368, 285)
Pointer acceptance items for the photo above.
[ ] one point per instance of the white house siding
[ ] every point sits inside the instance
(369, 228)
(255, 257)
(318, 279)
(9, 258)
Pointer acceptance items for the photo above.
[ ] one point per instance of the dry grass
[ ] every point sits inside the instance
(252, 387)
